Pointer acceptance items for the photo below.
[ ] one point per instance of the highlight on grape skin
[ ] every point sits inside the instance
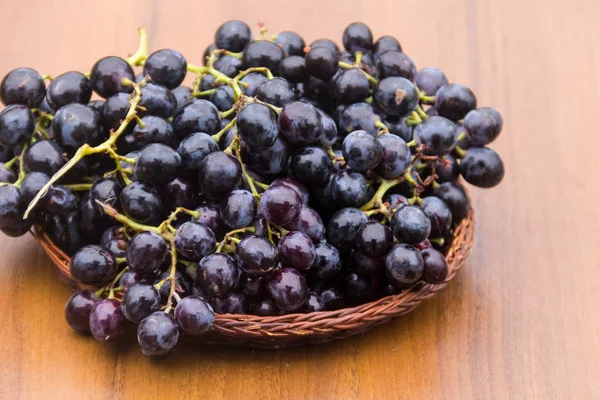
(285, 177)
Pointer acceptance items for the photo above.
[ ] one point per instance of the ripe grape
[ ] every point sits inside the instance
(300, 124)
(222, 98)
(146, 252)
(288, 289)
(404, 265)
(482, 167)
(107, 76)
(291, 43)
(483, 125)
(166, 67)
(280, 205)
(361, 151)
(435, 267)
(194, 148)
(262, 53)
(374, 239)
(194, 315)
(276, 91)
(256, 256)
(93, 265)
(78, 309)
(157, 100)
(232, 303)
(396, 96)
(217, 274)
(437, 135)
(238, 209)
(410, 224)
(439, 214)
(311, 165)
(454, 101)
(219, 174)
(196, 116)
(44, 156)
(75, 125)
(157, 334)
(396, 63)
(349, 188)
(296, 250)
(293, 69)
(16, 125)
(321, 62)
(22, 86)
(107, 322)
(313, 303)
(395, 157)
(257, 126)
(139, 301)
(357, 37)
(194, 241)
(343, 227)
(70, 87)
(233, 36)
(157, 164)
(141, 202)
(384, 44)
(310, 223)
(264, 308)
(351, 86)
(429, 80)
(455, 197)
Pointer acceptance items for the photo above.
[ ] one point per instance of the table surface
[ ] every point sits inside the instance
(519, 321)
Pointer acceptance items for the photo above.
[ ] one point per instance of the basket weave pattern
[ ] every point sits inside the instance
(318, 327)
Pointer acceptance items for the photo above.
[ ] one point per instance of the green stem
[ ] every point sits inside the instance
(166, 223)
(111, 293)
(460, 152)
(139, 57)
(136, 226)
(377, 199)
(10, 163)
(421, 113)
(230, 236)
(217, 136)
(172, 278)
(78, 187)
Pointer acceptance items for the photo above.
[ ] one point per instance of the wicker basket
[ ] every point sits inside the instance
(318, 327)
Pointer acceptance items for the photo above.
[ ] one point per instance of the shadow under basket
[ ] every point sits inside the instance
(297, 329)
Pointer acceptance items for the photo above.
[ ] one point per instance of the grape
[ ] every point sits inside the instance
(447, 169)
(196, 116)
(276, 91)
(429, 80)
(482, 167)
(321, 62)
(300, 124)
(314, 302)
(117, 247)
(280, 205)
(330, 44)
(208, 82)
(310, 223)
(61, 201)
(166, 67)
(230, 66)
(351, 86)
(410, 224)
(107, 76)
(180, 193)
(22, 86)
(293, 69)
(330, 131)
(114, 110)
(396, 96)
(435, 267)
(44, 156)
(217, 274)
(332, 298)
(365, 265)
(384, 44)
(7, 175)
(311, 165)
(404, 265)
(454, 101)
(194, 148)
(158, 100)
(374, 239)
(219, 174)
(252, 285)
(455, 198)
(183, 94)
(194, 241)
(358, 116)
(157, 334)
(291, 43)
(264, 308)
(78, 309)
(288, 289)
(349, 188)
(157, 164)
(238, 209)
(361, 151)
(253, 81)
(141, 202)
(146, 253)
(395, 157)
(437, 135)
(232, 303)
(93, 265)
(75, 125)
(356, 287)
(396, 63)
(256, 256)
(154, 130)
(194, 315)
(139, 301)
(233, 36)
(357, 37)
(343, 227)
(210, 216)
(257, 126)
(271, 161)
(483, 126)
(16, 125)
(106, 191)
(327, 262)
(70, 87)
(439, 214)
(296, 250)
(262, 53)
(298, 187)
(222, 98)
(107, 322)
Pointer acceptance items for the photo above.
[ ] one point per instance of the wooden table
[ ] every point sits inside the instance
(520, 321)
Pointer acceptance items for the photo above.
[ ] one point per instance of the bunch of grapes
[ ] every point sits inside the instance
(287, 179)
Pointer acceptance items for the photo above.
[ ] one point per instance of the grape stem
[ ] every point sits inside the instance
(231, 236)
(139, 57)
(10, 163)
(172, 278)
(78, 187)
(377, 199)
(460, 152)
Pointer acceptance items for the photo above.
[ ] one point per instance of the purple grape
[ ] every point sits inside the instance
(280, 205)
(78, 309)
(288, 289)
(256, 256)
(107, 322)
(194, 315)
(157, 334)
(296, 250)
(217, 274)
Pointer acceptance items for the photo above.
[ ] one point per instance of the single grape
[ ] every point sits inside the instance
(365, 265)
(107, 76)
(313, 303)
(280, 205)
(311, 165)
(321, 62)
(114, 110)
(219, 174)
(430, 80)
(146, 253)
(343, 227)
(384, 44)
(117, 247)
(349, 188)
(294, 184)
(276, 91)
(194, 148)
(351, 86)
(330, 44)
(44, 156)
(107, 322)
(357, 37)
(157, 100)
(300, 124)
(230, 66)
(454, 101)
(482, 167)
(288, 289)
(233, 36)
(264, 308)
(262, 53)
(75, 125)
(396, 96)
(271, 161)
(210, 216)
(252, 82)
(296, 250)
(16, 125)
(257, 126)
(327, 262)
(447, 169)
(395, 157)
(374, 239)
(404, 265)
(22, 86)
(330, 131)
(437, 135)
(194, 241)
(152, 130)
(196, 116)
(194, 315)
(70, 87)
(7, 175)
(78, 309)
(361, 151)
(358, 116)
(183, 95)
(333, 298)
(256, 256)
(291, 43)
(61, 201)
(93, 265)
(217, 274)
(396, 63)
(310, 223)
(483, 125)
(238, 209)
(293, 69)
(141, 202)
(139, 301)
(410, 224)
(232, 303)
(166, 67)
(455, 197)
(106, 191)
(435, 267)
(439, 215)
(157, 164)
(222, 98)
(157, 334)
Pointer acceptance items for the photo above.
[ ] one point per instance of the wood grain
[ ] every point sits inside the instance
(521, 319)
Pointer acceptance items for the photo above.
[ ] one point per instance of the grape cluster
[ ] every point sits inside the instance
(287, 179)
